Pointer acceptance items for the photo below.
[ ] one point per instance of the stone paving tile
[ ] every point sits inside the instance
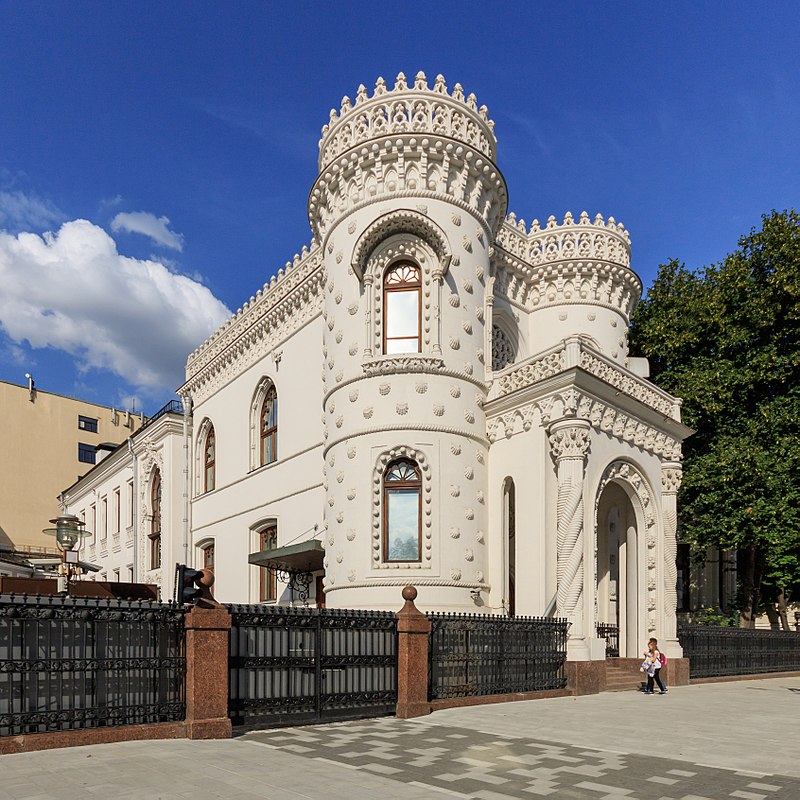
(477, 764)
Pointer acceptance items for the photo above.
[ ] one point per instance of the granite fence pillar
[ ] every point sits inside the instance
(208, 626)
(413, 630)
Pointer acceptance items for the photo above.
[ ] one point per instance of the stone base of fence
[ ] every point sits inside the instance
(30, 742)
(761, 676)
(586, 677)
(481, 700)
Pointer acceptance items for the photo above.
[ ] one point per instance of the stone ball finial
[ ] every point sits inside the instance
(206, 579)
(410, 593)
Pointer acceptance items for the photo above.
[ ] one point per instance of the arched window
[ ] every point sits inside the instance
(402, 287)
(268, 540)
(402, 508)
(269, 427)
(155, 521)
(210, 461)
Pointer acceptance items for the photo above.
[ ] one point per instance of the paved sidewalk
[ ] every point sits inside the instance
(735, 740)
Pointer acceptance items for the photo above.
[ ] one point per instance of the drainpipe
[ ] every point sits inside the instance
(187, 411)
(134, 510)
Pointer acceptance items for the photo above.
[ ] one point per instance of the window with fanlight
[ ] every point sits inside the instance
(210, 461)
(402, 293)
(269, 427)
(155, 520)
(402, 512)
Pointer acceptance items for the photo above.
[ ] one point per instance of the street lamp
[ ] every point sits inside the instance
(68, 531)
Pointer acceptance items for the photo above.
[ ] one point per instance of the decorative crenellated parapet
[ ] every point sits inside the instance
(671, 476)
(284, 304)
(584, 262)
(415, 108)
(569, 446)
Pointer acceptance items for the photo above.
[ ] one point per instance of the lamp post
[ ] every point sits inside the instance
(68, 531)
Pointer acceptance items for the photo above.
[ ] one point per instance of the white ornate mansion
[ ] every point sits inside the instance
(431, 393)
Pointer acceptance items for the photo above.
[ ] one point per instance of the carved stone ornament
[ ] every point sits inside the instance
(671, 478)
(571, 441)
(395, 365)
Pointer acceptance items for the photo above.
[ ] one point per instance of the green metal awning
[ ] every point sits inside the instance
(293, 558)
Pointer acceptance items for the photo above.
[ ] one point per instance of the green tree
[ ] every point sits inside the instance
(726, 338)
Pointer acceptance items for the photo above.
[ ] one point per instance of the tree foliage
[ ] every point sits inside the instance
(726, 338)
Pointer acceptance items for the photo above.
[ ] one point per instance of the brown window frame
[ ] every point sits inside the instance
(387, 488)
(155, 520)
(268, 581)
(271, 430)
(210, 464)
(208, 556)
(403, 286)
(117, 510)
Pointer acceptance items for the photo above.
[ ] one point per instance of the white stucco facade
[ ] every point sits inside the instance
(545, 466)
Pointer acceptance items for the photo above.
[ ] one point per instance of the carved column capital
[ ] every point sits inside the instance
(569, 439)
(671, 477)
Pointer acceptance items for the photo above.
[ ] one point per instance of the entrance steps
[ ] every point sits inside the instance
(622, 675)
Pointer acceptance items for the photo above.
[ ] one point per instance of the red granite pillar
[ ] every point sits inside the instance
(413, 629)
(208, 627)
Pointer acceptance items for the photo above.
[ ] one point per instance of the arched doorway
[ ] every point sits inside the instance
(621, 600)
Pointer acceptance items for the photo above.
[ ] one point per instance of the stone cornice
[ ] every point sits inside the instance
(408, 166)
(276, 315)
(577, 353)
(253, 312)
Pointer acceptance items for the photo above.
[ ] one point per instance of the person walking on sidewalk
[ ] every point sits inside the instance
(652, 666)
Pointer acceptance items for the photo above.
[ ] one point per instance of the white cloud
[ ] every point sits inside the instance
(73, 291)
(20, 211)
(155, 228)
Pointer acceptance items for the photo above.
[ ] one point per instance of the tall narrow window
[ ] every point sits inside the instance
(155, 521)
(117, 512)
(510, 525)
(210, 460)
(269, 427)
(104, 517)
(402, 285)
(402, 540)
(268, 540)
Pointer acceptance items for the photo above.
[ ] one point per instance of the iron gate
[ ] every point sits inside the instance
(291, 666)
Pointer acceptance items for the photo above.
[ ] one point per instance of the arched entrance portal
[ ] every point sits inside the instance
(621, 600)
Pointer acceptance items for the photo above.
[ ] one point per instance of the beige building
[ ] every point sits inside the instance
(49, 441)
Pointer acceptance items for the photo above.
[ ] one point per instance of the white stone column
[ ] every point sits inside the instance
(436, 339)
(368, 290)
(671, 475)
(569, 444)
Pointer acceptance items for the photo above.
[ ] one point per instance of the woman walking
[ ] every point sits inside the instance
(652, 666)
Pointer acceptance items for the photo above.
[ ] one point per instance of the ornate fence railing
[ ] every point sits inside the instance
(611, 634)
(714, 652)
(473, 654)
(68, 664)
(289, 665)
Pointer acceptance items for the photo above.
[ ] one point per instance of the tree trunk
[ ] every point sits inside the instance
(783, 610)
(747, 605)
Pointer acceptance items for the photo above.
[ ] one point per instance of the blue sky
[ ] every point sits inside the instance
(172, 146)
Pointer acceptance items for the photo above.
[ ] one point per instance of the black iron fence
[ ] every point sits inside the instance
(294, 665)
(67, 664)
(714, 652)
(611, 634)
(473, 654)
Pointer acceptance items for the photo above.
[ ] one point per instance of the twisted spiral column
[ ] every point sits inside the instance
(671, 475)
(569, 444)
